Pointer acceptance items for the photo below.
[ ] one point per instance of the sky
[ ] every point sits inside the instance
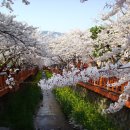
(58, 15)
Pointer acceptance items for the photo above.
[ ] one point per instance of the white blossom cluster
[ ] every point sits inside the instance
(20, 43)
(119, 6)
(10, 82)
(74, 44)
(114, 107)
(69, 78)
(8, 3)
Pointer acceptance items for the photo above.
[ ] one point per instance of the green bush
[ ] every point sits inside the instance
(48, 74)
(20, 107)
(83, 112)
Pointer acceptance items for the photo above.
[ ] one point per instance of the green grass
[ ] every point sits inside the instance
(48, 74)
(83, 112)
(20, 107)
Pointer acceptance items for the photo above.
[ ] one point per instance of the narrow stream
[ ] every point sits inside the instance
(50, 116)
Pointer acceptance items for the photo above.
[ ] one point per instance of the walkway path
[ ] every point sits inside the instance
(50, 116)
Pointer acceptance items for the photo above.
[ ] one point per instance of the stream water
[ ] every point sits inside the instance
(49, 115)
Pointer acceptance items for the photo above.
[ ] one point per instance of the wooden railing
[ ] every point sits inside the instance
(56, 71)
(100, 87)
(18, 78)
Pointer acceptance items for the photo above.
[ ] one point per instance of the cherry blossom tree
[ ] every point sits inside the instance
(115, 51)
(8, 3)
(19, 41)
(75, 44)
(118, 7)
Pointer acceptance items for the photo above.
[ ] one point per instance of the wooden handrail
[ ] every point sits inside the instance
(18, 78)
(101, 88)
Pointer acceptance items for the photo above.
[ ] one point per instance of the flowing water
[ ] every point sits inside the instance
(49, 115)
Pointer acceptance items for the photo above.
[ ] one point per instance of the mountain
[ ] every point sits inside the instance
(52, 34)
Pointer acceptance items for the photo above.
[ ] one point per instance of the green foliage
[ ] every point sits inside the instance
(100, 49)
(48, 74)
(97, 51)
(37, 77)
(19, 107)
(95, 30)
(83, 112)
